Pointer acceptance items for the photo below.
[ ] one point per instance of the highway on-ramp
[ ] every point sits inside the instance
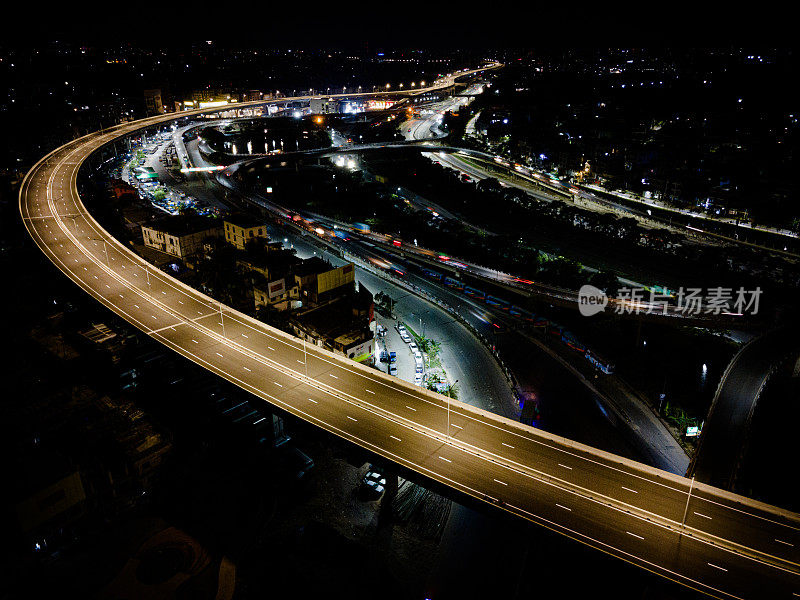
(702, 537)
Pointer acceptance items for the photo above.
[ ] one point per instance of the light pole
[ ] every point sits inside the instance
(686, 510)
(448, 410)
(222, 320)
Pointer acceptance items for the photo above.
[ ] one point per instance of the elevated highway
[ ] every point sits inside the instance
(702, 537)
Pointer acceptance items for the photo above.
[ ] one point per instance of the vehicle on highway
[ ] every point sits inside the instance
(393, 369)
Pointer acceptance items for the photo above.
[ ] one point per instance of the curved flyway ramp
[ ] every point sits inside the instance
(722, 544)
(724, 437)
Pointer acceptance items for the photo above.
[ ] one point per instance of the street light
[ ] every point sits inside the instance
(448, 410)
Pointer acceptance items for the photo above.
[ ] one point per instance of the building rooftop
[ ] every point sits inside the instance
(183, 225)
(244, 220)
(313, 265)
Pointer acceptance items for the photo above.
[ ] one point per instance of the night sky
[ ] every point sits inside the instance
(456, 24)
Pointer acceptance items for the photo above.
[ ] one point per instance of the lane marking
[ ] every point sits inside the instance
(394, 437)
(507, 445)
(351, 418)
(565, 466)
(629, 489)
(370, 392)
(314, 401)
(220, 355)
(564, 507)
(278, 384)
(634, 535)
(702, 515)
(501, 482)
(446, 459)
(786, 543)
(717, 567)
(247, 369)
(332, 375)
(409, 408)
(456, 426)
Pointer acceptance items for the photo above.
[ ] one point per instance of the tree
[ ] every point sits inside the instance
(490, 184)
(452, 391)
(606, 281)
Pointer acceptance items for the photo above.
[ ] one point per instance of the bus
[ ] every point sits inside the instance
(474, 293)
(600, 363)
(525, 315)
(569, 339)
(454, 283)
(499, 302)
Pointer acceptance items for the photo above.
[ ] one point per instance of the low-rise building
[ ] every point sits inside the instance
(180, 237)
(241, 229)
(277, 295)
(152, 102)
(318, 281)
(344, 325)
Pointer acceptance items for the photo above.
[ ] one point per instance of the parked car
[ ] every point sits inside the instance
(373, 484)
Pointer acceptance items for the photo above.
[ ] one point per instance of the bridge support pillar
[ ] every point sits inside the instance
(385, 513)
